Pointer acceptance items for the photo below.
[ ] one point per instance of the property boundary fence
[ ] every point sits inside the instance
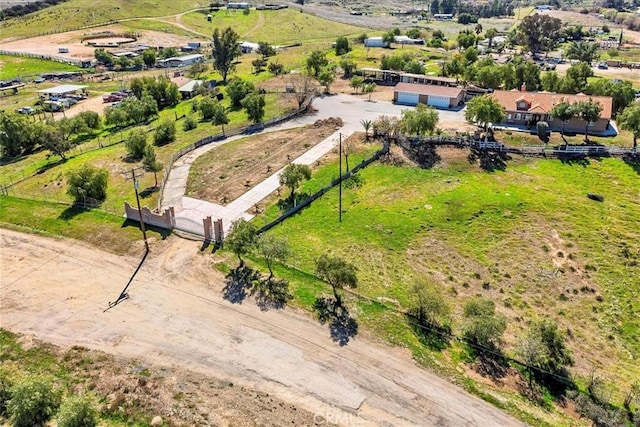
(61, 59)
(384, 150)
(409, 142)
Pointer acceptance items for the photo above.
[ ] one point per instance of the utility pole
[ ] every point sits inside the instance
(135, 174)
(340, 184)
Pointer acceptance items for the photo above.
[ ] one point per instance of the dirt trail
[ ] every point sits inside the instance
(57, 291)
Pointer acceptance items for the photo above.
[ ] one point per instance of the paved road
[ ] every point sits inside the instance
(57, 289)
(351, 109)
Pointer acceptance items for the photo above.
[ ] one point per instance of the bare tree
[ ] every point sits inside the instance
(304, 88)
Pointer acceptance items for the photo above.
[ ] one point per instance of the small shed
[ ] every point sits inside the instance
(181, 61)
(435, 96)
(375, 42)
(188, 90)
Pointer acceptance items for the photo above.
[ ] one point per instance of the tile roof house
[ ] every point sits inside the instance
(528, 108)
(433, 95)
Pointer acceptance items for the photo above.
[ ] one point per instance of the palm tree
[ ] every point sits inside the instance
(366, 124)
(491, 33)
(478, 31)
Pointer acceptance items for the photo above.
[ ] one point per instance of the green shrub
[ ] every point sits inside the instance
(77, 411)
(136, 143)
(165, 133)
(33, 402)
(7, 380)
(189, 124)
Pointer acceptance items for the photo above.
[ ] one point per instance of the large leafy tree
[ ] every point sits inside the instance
(273, 249)
(226, 48)
(622, 92)
(237, 90)
(420, 120)
(338, 273)
(589, 111)
(265, 50)
(15, 137)
(219, 116)
(149, 57)
(484, 110)
(326, 78)
(342, 46)
(583, 51)
(630, 120)
(254, 104)
(241, 239)
(87, 182)
(563, 112)
(543, 347)
(540, 33)
(293, 175)
(466, 39)
(316, 61)
(136, 143)
(576, 79)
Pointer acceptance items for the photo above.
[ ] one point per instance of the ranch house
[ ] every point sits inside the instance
(525, 109)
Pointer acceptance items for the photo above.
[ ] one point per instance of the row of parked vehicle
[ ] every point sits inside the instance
(117, 96)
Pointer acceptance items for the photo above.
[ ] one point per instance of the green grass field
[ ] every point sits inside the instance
(76, 13)
(14, 66)
(526, 237)
(275, 27)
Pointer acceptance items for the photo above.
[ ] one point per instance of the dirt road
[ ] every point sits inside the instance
(57, 290)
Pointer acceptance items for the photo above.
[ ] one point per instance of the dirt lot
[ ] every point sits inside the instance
(57, 290)
(221, 175)
(48, 45)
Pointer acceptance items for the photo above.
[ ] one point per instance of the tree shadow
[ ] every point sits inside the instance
(237, 282)
(490, 160)
(342, 326)
(574, 159)
(271, 293)
(423, 154)
(433, 336)
(633, 160)
(491, 365)
(287, 203)
(42, 169)
(71, 212)
(147, 192)
(163, 232)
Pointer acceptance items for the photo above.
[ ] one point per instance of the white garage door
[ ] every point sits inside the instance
(438, 101)
(407, 98)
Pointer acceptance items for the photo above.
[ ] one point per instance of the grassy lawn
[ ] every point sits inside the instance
(103, 230)
(14, 66)
(76, 13)
(526, 237)
(274, 27)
